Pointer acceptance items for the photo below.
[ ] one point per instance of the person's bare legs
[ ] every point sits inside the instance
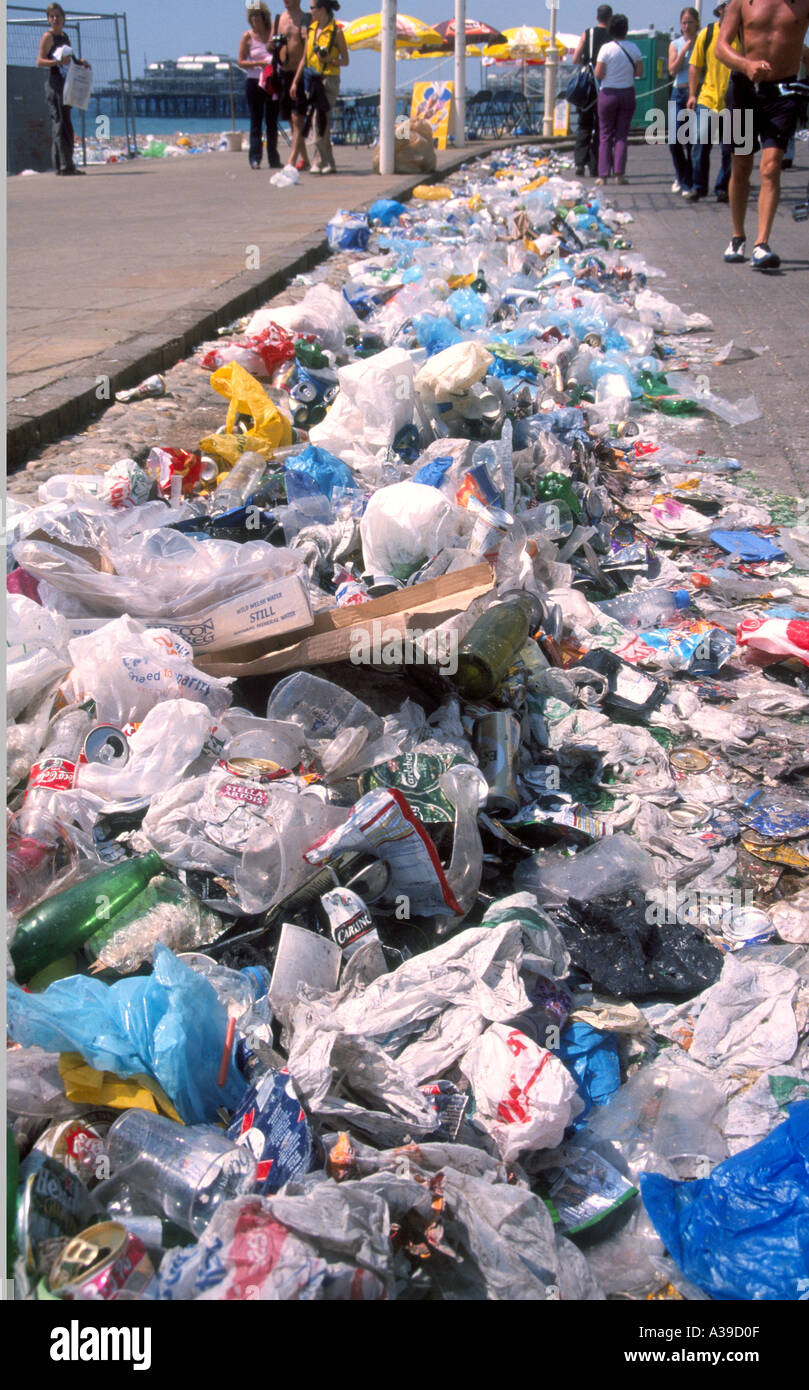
(740, 190)
(298, 148)
(770, 192)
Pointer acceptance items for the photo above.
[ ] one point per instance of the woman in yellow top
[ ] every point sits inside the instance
(326, 53)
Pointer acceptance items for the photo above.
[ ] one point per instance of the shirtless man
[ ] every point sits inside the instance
(291, 25)
(773, 34)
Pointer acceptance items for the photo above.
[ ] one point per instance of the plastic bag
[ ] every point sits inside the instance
(451, 373)
(593, 1059)
(323, 313)
(627, 953)
(386, 210)
(169, 1025)
(348, 231)
(747, 1018)
(270, 429)
(404, 525)
(525, 1098)
(718, 1228)
(329, 474)
(428, 1012)
(375, 401)
(414, 150)
(128, 669)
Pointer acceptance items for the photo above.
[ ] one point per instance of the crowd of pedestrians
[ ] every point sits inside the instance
(735, 83)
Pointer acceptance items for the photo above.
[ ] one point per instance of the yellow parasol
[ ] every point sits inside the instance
(526, 42)
(410, 33)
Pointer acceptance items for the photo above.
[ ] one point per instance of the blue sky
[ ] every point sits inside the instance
(164, 28)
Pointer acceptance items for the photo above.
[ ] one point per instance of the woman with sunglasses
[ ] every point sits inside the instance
(319, 69)
(255, 54)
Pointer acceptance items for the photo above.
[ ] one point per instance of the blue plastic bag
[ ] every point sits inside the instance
(386, 211)
(328, 473)
(435, 334)
(594, 1060)
(747, 545)
(433, 472)
(743, 1232)
(348, 231)
(169, 1025)
(468, 309)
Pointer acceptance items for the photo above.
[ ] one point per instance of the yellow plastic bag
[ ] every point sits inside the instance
(432, 192)
(86, 1086)
(271, 430)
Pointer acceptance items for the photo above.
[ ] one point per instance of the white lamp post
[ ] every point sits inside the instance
(460, 73)
(551, 62)
(387, 88)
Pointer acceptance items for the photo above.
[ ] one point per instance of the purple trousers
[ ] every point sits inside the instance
(616, 107)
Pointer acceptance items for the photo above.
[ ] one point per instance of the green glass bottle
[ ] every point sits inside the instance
(489, 649)
(63, 922)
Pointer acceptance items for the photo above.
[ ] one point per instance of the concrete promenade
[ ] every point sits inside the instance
(123, 272)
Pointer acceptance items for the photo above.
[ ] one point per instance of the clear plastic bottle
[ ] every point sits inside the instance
(236, 990)
(243, 479)
(39, 845)
(726, 586)
(647, 608)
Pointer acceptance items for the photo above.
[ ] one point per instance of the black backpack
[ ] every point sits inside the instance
(582, 89)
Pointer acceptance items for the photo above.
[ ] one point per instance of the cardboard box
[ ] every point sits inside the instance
(332, 636)
(276, 608)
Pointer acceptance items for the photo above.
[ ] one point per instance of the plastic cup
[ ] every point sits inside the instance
(188, 1172)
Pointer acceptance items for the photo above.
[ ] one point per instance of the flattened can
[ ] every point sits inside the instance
(54, 1205)
(104, 1262)
(78, 1144)
(690, 760)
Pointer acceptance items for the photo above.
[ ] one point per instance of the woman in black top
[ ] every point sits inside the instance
(61, 124)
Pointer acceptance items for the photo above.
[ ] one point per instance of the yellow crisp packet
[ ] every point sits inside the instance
(86, 1086)
(457, 282)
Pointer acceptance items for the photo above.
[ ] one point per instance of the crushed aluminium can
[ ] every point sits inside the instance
(54, 1205)
(105, 1261)
(271, 1123)
(152, 386)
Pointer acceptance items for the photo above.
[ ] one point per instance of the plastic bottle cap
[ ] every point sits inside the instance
(682, 598)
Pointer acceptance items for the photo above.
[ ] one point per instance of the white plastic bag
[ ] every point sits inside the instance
(375, 401)
(128, 669)
(525, 1096)
(404, 525)
(78, 86)
(323, 312)
(450, 373)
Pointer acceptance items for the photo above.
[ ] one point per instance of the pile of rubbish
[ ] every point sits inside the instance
(408, 829)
